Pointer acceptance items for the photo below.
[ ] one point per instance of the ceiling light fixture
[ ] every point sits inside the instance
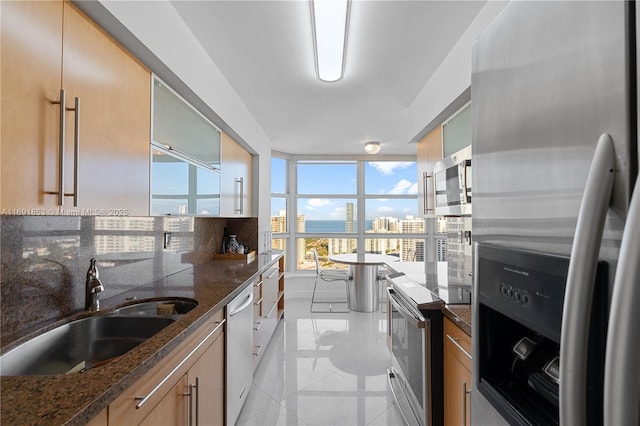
(372, 147)
(330, 23)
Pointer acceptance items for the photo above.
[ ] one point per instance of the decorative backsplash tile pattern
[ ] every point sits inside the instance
(45, 258)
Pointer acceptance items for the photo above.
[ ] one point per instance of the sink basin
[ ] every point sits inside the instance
(153, 307)
(80, 345)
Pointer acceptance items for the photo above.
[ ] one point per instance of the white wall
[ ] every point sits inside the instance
(453, 76)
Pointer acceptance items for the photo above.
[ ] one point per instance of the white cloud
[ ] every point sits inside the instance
(385, 210)
(413, 189)
(388, 167)
(403, 186)
(314, 203)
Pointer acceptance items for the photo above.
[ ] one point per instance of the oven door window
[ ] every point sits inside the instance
(407, 342)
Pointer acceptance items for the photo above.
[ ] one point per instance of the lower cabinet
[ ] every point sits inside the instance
(457, 375)
(269, 307)
(186, 388)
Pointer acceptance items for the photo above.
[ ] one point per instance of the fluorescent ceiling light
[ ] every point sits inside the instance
(330, 19)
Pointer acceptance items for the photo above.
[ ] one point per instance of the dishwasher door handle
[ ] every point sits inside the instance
(242, 307)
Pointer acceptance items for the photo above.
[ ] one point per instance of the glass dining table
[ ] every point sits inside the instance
(363, 273)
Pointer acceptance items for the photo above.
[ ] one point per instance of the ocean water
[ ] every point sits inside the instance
(319, 226)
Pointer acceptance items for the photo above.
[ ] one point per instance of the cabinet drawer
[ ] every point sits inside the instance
(458, 343)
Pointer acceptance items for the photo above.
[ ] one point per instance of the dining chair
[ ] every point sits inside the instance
(328, 276)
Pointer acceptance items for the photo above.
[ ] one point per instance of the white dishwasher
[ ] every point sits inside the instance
(239, 352)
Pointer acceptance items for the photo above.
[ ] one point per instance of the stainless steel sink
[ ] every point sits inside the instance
(154, 307)
(80, 345)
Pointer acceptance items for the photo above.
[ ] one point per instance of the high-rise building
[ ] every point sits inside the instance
(279, 223)
(412, 250)
(349, 218)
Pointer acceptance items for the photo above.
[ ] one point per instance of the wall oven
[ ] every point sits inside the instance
(452, 184)
(415, 333)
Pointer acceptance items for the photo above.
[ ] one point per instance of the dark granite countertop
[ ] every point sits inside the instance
(74, 399)
(460, 315)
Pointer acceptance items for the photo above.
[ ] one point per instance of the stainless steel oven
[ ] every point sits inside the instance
(452, 184)
(415, 332)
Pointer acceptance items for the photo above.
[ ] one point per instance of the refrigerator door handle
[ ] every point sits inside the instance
(580, 283)
(623, 347)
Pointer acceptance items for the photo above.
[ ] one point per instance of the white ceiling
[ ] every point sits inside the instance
(264, 48)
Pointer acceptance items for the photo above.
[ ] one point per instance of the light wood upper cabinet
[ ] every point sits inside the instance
(429, 152)
(235, 181)
(31, 75)
(48, 47)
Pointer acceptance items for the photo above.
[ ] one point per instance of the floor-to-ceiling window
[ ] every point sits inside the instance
(345, 207)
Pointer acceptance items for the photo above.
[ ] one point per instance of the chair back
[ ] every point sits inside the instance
(315, 257)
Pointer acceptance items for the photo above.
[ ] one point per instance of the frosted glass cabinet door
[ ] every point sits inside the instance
(185, 170)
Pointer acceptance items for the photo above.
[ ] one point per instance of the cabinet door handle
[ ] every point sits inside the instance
(427, 205)
(189, 394)
(258, 350)
(455, 342)
(240, 195)
(76, 149)
(465, 392)
(258, 302)
(62, 131)
(197, 386)
(257, 325)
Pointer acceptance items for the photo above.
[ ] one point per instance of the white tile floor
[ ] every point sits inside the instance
(322, 369)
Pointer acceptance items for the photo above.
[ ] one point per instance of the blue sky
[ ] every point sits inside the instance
(381, 178)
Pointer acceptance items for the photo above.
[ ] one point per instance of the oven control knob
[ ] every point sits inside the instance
(510, 293)
(516, 296)
(525, 299)
(503, 290)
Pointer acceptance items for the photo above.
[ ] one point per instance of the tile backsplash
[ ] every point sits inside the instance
(45, 259)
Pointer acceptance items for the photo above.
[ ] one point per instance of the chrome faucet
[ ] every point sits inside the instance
(93, 286)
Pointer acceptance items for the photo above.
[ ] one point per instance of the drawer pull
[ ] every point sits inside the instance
(258, 350)
(455, 342)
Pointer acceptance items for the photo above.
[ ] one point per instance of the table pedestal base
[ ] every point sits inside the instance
(363, 288)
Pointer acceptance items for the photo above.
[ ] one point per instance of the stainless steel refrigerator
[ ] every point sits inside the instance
(555, 153)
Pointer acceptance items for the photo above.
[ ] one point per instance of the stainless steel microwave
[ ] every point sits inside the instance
(452, 184)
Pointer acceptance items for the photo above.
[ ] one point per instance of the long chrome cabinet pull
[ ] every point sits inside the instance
(455, 342)
(197, 386)
(76, 149)
(61, 148)
(258, 350)
(144, 399)
(189, 394)
(578, 297)
(623, 349)
(428, 205)
(240, 194)
(464, 403)
(61, 135)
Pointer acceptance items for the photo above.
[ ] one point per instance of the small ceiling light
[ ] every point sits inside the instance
(330, 23)
(372, 147)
